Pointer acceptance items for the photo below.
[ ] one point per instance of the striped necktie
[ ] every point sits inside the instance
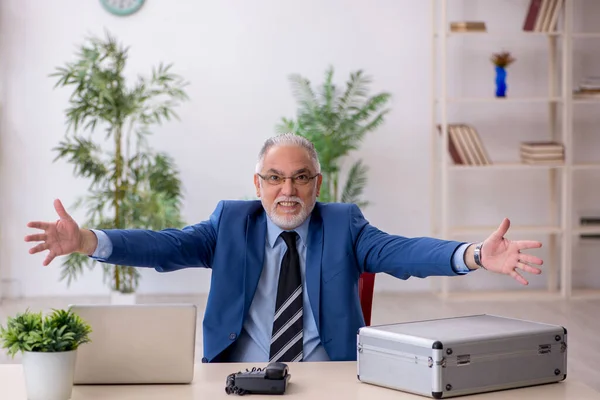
(286, 340)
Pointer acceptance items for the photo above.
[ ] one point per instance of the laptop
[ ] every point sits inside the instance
(137, 344)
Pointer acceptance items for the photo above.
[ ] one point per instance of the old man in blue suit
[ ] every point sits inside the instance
(285, 268)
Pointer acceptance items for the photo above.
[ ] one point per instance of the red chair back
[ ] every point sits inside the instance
(366, 282)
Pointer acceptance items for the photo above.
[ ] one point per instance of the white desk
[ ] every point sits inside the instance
(331, 380)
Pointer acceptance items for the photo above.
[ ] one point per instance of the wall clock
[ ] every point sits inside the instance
(122, 7)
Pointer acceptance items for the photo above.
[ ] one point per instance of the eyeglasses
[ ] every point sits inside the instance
(299, 180)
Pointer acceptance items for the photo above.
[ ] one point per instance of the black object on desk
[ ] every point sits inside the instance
(269, 380)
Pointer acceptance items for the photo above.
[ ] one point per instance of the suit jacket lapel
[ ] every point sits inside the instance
(314, 252)
(256, 231)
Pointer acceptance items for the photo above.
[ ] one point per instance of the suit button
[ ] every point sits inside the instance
(204, 359)
(232, 336)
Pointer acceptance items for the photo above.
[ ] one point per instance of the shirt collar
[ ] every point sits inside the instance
(273, 231)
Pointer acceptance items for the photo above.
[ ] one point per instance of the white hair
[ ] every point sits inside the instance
(290, 139)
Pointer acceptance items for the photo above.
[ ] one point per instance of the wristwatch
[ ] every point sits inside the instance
(477, 255)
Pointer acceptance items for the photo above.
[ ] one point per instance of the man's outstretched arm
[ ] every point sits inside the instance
(165, 250)
(402, 257)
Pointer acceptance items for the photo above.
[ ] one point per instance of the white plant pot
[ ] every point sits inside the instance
(119, 298)
(49, 376)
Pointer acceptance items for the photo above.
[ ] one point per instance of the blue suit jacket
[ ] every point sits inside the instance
(341, 246)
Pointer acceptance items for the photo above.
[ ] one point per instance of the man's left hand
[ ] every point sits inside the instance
(504, 256)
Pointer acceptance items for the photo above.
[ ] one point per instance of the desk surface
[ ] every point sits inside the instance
(328, 380)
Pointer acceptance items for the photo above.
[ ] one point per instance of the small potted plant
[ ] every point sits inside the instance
(49, 345)
(501, 61)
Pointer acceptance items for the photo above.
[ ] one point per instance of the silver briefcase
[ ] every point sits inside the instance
(450, 357)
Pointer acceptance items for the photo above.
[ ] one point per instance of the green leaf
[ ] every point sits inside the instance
(73, 267)
(336, 122)
(355, 183)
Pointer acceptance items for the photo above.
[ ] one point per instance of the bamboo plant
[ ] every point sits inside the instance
(336, 121)
(109, 120)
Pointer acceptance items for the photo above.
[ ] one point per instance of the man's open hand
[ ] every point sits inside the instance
(504, 256)
(60, 237)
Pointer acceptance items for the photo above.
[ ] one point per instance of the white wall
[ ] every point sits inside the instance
(237, 56)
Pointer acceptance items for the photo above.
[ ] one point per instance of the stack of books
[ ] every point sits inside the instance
(589, 87)
(542, 153)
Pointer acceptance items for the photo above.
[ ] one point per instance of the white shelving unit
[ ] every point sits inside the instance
(559, 226)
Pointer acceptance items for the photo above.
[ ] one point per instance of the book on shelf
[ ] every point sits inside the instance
(542, 153)
(465, 145)
(590, 83)
(542, 15)
(586, 94)
(542, 146)
(588, 88)
(468, 26)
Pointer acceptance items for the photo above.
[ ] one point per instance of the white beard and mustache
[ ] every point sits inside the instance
(289, 221)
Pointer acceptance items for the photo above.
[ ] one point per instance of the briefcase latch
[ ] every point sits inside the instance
(430, 362)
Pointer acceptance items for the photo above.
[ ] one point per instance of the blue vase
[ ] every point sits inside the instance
(500, 82)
